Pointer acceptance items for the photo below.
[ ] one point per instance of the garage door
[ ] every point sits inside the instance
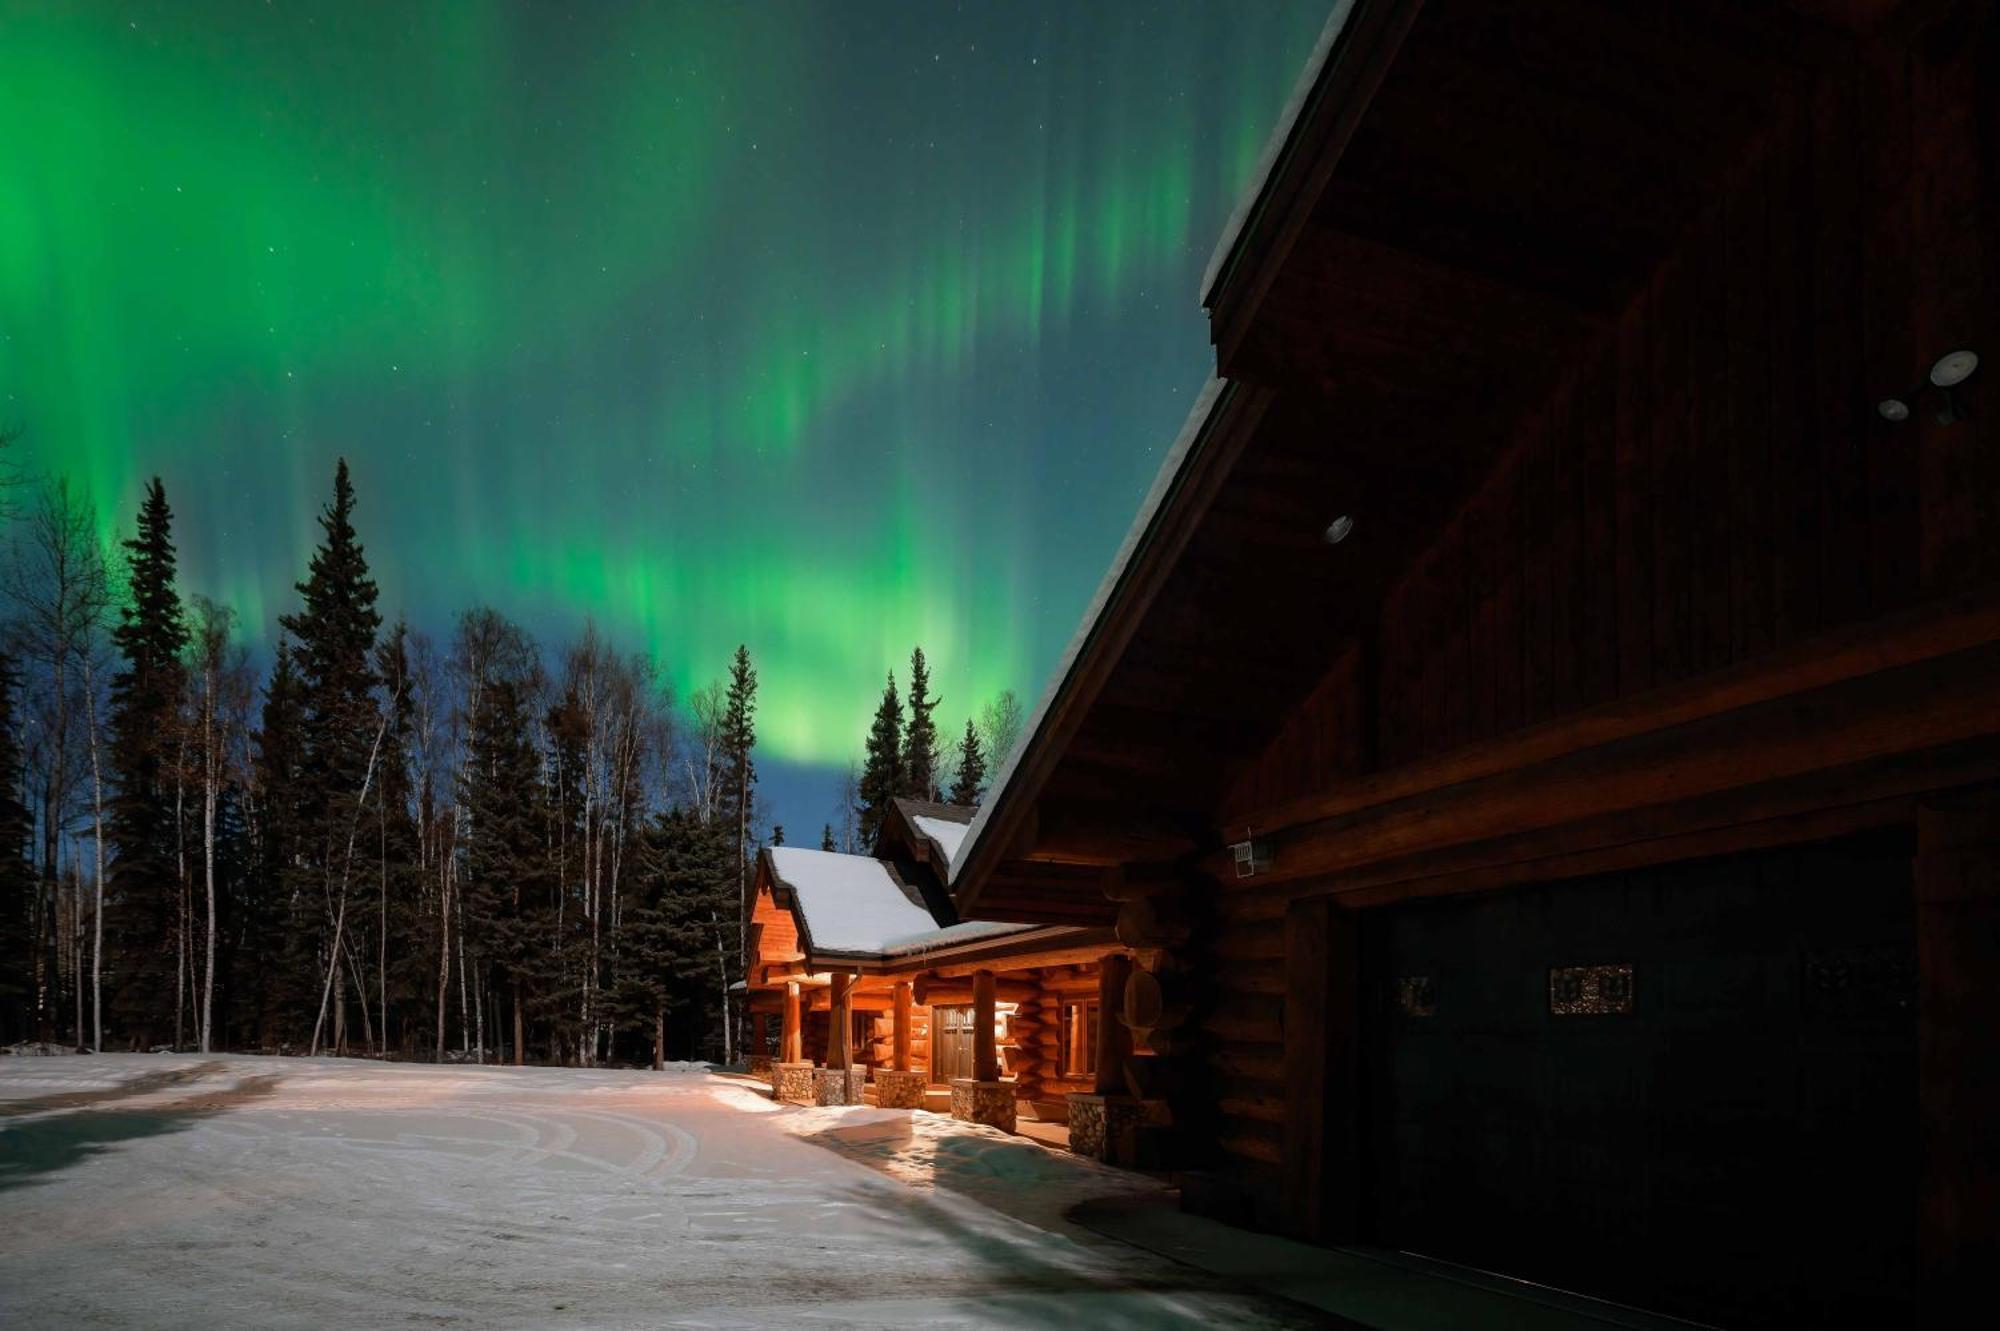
(1689, 1088)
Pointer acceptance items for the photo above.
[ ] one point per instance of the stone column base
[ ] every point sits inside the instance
(838, 1086)
(1098, 1122)
(793, 1082)
(760, 1067)
(899, 1090)
(988, 1102)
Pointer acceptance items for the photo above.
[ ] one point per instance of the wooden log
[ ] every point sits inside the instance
(985, 1058)
(791, 1045)
(900, 1034)
(1155, 922)
(1112, 1043)
(933, 992)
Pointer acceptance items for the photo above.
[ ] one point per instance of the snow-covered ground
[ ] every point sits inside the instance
(156, 1190)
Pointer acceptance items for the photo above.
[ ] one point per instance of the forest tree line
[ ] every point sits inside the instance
(470, 848)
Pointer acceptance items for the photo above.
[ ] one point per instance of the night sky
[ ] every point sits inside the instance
(830, 329)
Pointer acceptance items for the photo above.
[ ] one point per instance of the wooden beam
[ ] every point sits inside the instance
(1321, 1156)
(1885, 644)
(901, 1061)
(985, 1057)
(1075, 955)
(1902, 712)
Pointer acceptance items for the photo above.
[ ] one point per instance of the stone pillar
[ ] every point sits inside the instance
(985, 1057)
(898, 1090)
(791, 1039)
(902, 1022)
(1100, 1122)
(1114, 1044)
(792, 1083)
(1958, 1057)
(983, 1097)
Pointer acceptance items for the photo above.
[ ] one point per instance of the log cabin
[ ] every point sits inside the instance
(876, 993)
(1540, 738)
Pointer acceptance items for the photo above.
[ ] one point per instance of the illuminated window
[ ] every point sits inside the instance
(1079, 1040)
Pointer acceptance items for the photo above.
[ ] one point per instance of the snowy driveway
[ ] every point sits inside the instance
(158, 1190)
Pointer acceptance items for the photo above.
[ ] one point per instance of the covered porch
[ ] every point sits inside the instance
(1017, 1027)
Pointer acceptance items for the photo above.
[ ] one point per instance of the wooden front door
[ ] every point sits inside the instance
(1690, 1088)
(951, 1044)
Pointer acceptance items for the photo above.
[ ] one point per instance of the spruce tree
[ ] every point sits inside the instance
(739, 774)
(276, 915)
(335, 637)
(826, 838)
(971, 777)
(17, 875)
(146, 692)
(694, 875)
(920, 739)
(882, 768)
(506, 857)
(403, 966)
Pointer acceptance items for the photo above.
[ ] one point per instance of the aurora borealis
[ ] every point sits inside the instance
(829, 329)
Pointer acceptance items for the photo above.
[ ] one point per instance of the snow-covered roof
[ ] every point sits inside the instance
(948, 834)
(852, 905)
(1274, 147)
(1163, 485)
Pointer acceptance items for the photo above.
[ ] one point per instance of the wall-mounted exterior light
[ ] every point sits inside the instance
(1252, 857)
(1337, 530)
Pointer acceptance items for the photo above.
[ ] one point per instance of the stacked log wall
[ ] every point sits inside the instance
(1708, 484)
(1711, 480)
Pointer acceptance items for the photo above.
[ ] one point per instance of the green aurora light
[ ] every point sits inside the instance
(830, 329)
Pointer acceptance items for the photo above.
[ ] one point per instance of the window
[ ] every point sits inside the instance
(1078, 1056)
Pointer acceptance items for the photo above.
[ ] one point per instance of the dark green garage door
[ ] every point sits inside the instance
(1689, 1088)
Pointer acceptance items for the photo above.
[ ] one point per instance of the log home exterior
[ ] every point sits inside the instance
(878, 993)
(1540, 737)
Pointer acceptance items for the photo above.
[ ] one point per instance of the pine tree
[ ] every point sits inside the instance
(920, 739)
(971, 777)
(507, 882)
(739, 775)
(143, 888)
(335, 636)
(778, 835)
(882, 769)
(17, 875)
(826, 838)
(694, 882)
(275, 913)
(403, 964)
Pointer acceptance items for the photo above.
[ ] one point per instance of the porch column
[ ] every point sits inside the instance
(983, 1097)
(1114, 1042)
(902, 1047)
(896, 1087)
(985, 1057)
(1958, 1060)
(840, 1028)
(839, 1082)
(791, 1075)
(791, 1034)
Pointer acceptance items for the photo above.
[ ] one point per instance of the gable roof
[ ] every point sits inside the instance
(855, 906)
